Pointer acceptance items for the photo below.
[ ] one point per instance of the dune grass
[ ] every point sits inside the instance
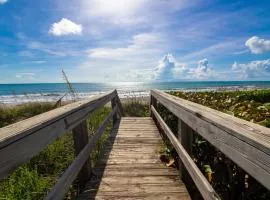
(136, 107)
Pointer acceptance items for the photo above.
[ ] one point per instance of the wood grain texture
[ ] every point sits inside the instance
(185, 136)
(21, 141)
(201, 182)
(80, 138)
(130, 167)
(245, 143)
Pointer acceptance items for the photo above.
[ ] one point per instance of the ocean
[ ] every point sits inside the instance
(22, 93)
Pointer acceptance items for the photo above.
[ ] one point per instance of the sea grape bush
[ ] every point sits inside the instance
(252, 105)
(229, 180)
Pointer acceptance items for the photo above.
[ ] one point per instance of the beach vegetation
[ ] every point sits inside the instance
(228, 179)
(34, 179)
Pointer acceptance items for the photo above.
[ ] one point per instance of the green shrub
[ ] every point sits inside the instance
(24, 183)
(35, 179)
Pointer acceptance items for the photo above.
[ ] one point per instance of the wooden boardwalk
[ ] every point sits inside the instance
(130, 167)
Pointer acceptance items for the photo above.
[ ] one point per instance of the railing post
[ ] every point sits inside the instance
(114, 103)
(80, 137)
(185, 136)
(153, 102)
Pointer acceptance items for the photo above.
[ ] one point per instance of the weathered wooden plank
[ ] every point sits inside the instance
(120, 108)
(139, 142)
(61, 187)
(129, 161)
(119, 180)
(163, 196)
(139, 188)
(136, 172)
(202, 184)
(136, 139)
(113, 104)
(131, 167)
(127, 166)
(80, 137)
(37, 132)
(245, 143)
(133, 155)
(185, 136)
(138, 134)
(142, 196)
(153, 195)
(153, 102)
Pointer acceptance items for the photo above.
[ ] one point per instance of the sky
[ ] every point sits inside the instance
(134, 40)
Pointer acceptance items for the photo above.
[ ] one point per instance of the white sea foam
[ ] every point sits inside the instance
(54, 97)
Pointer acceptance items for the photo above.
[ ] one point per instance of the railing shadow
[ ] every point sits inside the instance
(91, 188)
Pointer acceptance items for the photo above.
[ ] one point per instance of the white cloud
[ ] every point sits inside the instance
(258, 45)
(129, 62)
(65, 27)
(216, 50)
(141, 45)
(129, 12)
(253, 69)
(3, 1)
(25, 75)
(133, 61)
(202, 71)
(59, 50)
(169, 69)
(45, 48)
(138, 75)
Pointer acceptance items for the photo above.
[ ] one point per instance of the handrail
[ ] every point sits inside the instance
(62, 186)
(21, 141)
(201, 182)
(245, 143)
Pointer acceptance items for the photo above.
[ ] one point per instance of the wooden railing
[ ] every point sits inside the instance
(21, 141)
(245, 143)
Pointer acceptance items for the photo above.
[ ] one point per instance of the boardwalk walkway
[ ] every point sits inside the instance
(130, 167)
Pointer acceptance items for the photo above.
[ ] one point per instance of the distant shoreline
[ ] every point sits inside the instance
(124, 96)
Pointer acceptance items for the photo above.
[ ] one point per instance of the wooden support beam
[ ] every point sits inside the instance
(80, 137)
(120, 108)
(153, 102)
(185, 136)
(114, 104)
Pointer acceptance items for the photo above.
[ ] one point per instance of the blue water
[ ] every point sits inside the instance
(17, 93)
(11, 89)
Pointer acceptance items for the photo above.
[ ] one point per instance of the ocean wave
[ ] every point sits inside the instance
(54, 97)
